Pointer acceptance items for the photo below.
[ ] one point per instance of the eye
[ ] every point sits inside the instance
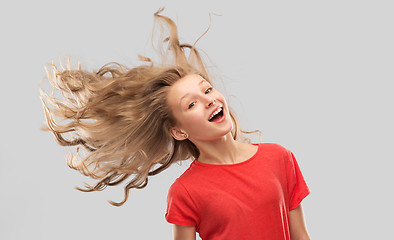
(206, 92)
(191, 105)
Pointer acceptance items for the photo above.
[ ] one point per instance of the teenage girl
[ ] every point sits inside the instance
(134, 123)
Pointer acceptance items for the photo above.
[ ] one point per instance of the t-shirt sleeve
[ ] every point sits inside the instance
(296, 185)
(181, 209)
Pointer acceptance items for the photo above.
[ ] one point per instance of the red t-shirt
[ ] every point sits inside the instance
(249, 200)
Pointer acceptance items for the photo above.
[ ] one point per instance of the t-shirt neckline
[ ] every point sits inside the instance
(229, 165)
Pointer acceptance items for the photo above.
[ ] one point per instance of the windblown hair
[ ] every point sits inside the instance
(120, 116)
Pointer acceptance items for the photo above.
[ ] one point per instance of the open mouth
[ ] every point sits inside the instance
(217, 116)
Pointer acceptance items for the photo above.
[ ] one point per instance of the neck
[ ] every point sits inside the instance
(224, 150)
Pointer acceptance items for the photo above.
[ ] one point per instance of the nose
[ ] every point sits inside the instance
(212, 102)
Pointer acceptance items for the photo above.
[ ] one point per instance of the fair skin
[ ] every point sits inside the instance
(192, 101)
(214, 140)
(297, 224)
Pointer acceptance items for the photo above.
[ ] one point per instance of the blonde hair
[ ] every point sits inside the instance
(120, 116)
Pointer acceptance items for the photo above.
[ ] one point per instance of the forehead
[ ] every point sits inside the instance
(186, 84)
(191, 79)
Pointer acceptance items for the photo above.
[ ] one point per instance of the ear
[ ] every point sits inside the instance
(177, 133)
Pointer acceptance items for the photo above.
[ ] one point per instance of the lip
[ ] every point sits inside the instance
(215, 110)
(223, 118)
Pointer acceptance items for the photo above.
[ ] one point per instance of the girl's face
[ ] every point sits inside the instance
(193, 102)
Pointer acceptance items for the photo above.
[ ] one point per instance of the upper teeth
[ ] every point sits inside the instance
(215, 112)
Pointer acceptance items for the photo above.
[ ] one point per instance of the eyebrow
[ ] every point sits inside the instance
(180, 100)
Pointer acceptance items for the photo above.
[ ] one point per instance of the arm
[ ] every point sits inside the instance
(183, 232)
(297, 224)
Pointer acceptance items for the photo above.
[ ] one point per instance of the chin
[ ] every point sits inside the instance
(227, 131)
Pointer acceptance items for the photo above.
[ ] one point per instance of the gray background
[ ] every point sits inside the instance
(314, 76)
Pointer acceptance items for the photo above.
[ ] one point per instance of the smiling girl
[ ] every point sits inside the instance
(134, 123)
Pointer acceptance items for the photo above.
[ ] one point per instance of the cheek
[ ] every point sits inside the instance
(220, 97)
(182, 119)
(193, 120)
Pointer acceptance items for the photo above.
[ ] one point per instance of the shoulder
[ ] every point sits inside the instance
(274, 148)
(276, 153)
(177, 187)
(178, 192)
(189, 175)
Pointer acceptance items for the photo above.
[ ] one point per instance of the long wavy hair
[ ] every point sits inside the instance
(119, 116)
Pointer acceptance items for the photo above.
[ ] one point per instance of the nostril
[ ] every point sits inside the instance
(212, 102)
